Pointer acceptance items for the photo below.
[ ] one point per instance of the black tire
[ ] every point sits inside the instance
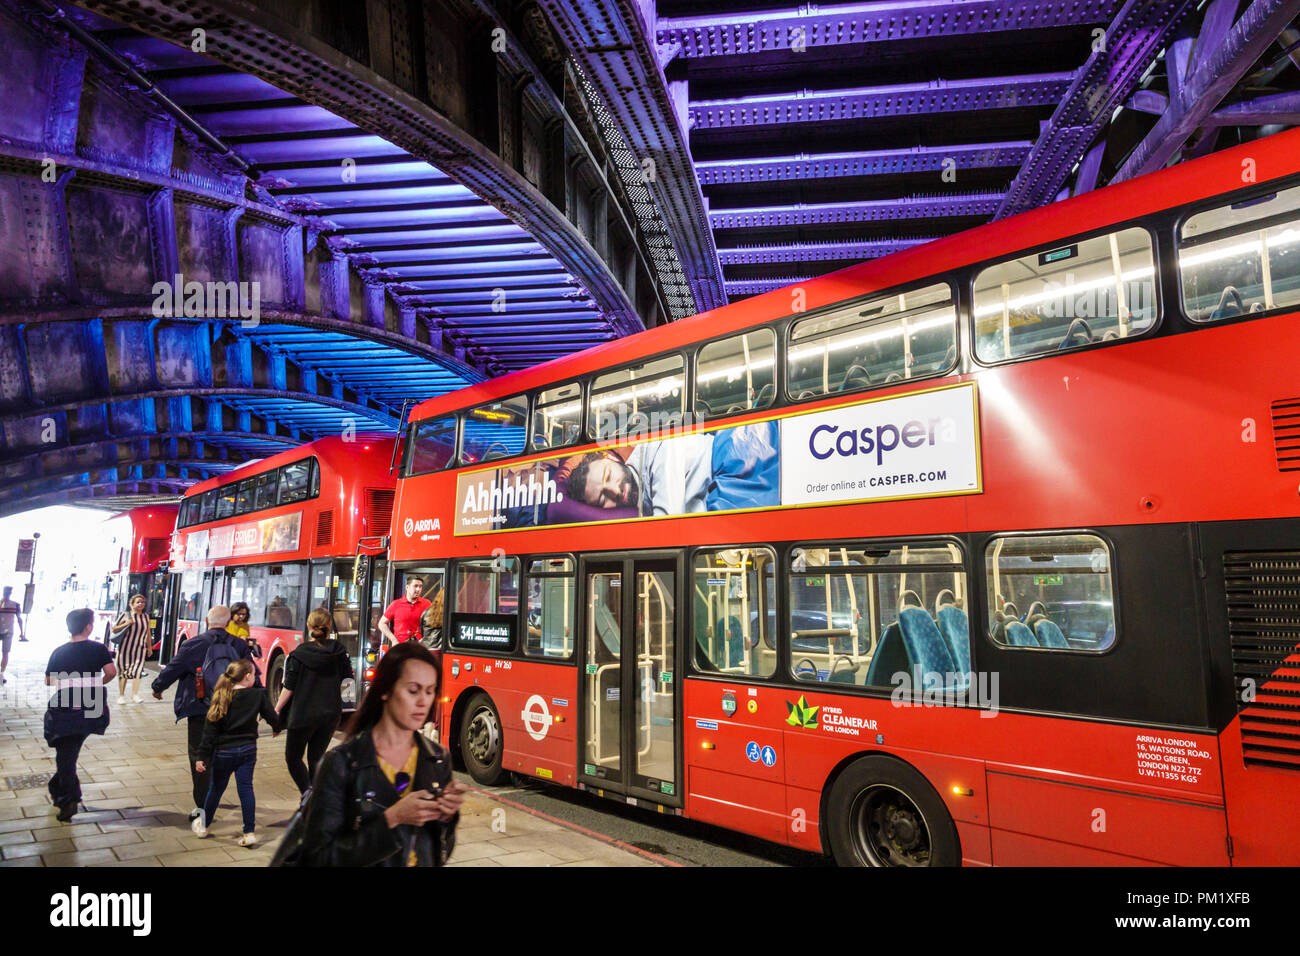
(481, 740)
(275, 679)
(882, 812)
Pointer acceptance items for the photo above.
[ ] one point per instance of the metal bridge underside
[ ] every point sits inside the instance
(831, 133)
(420, 194)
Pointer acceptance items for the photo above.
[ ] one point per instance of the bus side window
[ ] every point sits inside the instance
(1050, 591)
(733, 617)
(495, 430)
(552, 600)
(736, 375)
(880, 617)
(1093, 290)
(557, 418)
(881, 341)
(642, 399)
(432, 445)
(1241, 258)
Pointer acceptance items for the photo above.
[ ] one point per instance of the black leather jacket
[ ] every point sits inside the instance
(345, 823)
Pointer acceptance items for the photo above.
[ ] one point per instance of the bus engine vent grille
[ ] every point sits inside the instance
(325, 529)
(379, 510)
(1286, 433)
(1263, 601)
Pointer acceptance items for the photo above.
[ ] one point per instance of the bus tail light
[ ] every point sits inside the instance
(370, 674)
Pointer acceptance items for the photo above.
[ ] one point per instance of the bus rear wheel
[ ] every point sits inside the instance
(882, 812)
(275, 679)
(480, 740)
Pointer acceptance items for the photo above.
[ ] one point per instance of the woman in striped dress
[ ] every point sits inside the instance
(135, 634)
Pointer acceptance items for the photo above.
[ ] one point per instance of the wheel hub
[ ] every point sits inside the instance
(889, 830)
(483, 736)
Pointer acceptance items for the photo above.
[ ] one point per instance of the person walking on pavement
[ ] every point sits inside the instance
(405, 613)
(313, 693)
(10, 613)
(190, 705)
(79, 706)
(386, 796)
(134, 635)
(229, 745)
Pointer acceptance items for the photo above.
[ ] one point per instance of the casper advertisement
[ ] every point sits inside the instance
(906, 446)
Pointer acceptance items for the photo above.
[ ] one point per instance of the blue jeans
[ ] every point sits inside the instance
(239, 762)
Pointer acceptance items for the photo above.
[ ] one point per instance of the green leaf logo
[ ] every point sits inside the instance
(801, 714)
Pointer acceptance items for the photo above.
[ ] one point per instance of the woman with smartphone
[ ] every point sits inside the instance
(385, 796)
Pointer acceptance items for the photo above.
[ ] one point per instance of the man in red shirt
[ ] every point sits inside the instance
(401, 620)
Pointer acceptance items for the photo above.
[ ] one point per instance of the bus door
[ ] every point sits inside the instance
(629, 679)
(170, 613)
(1251, 577)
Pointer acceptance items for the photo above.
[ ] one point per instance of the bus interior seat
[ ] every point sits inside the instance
(1226, 309)
(1018, 635)
(889, 659)
(1041, 610)
(765, 395)
(734, 639)
(843, 675)
(607, 627)
(955, 628)
(855, 378)
(1049, 634)
(925, 645)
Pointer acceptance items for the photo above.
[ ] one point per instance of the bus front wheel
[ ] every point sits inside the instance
(480, 740)
(882, 812)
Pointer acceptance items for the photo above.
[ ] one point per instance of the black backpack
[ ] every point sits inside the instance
(221, 654)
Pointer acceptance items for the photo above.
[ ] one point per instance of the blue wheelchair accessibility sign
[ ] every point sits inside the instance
(752, 751)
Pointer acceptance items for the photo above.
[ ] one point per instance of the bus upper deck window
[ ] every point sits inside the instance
(1050, 591)
(1074, 295)
(265, 491)
(642, 399)
(433, 445)
(881, 341)
(557, 419)
(209, 506)
(1241, 258)
(495, 430)
(294, 481)
(736, 375)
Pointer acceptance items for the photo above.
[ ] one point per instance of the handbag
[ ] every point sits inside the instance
(289, 852)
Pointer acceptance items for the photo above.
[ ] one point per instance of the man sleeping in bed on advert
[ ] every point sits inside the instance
(725, 470)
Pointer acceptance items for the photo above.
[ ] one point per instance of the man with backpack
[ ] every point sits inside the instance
(195, 669)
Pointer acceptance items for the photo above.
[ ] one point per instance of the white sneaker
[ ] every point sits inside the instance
(137, 699)
(121, 699)
(197, 826)
(248, 839)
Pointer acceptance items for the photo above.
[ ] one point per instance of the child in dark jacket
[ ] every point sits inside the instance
(230, 744)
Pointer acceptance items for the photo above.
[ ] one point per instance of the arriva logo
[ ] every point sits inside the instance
(410, 526)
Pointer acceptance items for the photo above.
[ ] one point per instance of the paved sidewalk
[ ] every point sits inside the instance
(137, 790)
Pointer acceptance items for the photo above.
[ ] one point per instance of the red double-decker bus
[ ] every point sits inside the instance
(299, 530)
(145, 537)
(984, 552)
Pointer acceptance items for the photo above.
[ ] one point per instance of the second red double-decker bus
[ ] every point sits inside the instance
(983, 552)
(285, 535)
(145, 534)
